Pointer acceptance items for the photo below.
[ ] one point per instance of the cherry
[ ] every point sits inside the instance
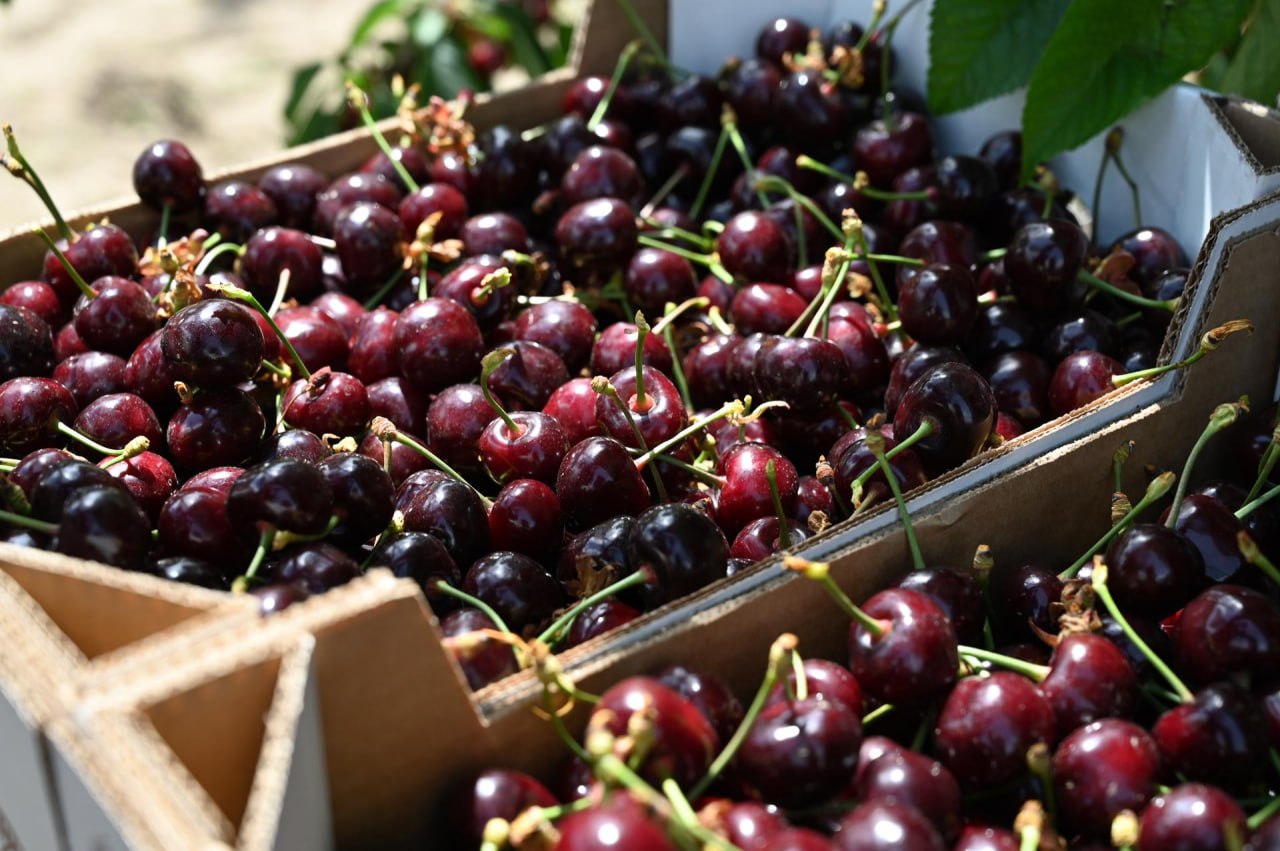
(979, 838)
(50, 493)
(692, 101)
(30, 410)
(213, 343)
(236, 209)
(875, 825)
(523, 445)
(104, 524)
(1154, 251)
(895, 775)
(1020, 383)
(482, 661)
(615, 350)
(193, 523)
(1153, 570)
(1192, 816)
(493, 233)
(422, 558)
(799, 753)
(410, 158)
(1084, 331)
(293, 188)
(806, 373)
(780, 37)
(1081, 378)
(317, 337)
(654, 406)
(35, 464)
(467, 285)
(525, 518)
(597, 619)
(369, 240)
(746, 494)
(1089, 678)
(958, 593)
(439, 344)
(117, 418)
(327, 403)
(349, 190)
(885, 151)
(282, 494)
(278, 596)
(1212, 530)
(148, 374)
(166, 174)
(1218, 737)
(526, 378)
(750, 88)
(101, 251)
(451, 511)
(681, 545)
(317, 567)
(810, 112)
(586, 94)
(681, 741)
(455, 420)
(506, 173)
(296, 443)
(149, 478)
(271, 251)
(38, 297)
(117, 318)
(565, 327)
(987, 725)
(67, 343)
(966, 187)
(913, 658)
(90, 375)
(216, 428)
(1022, 598)
(938, 305)
(1043, 261)
(192, 571)
(655, 277)
(1227, 632)
(617, 824)
(493, 794)
(957, 405)
(433, 198)
(363, 497)
(598, 480)
(374, 355)
(601, 172)
(1102, 769)
(753, 247)
(1001, 328)
(600, 233)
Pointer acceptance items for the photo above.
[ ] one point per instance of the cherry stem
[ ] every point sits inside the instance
(1208, 343)
(620, 68)
(708, 260)
(206, 259)
(1117, 464)
(780, 654)
(385, 430)
(729, 122)
(642, 403)
(875, 443)
(820, 572)
(810, 164)
(1133, 187)
(612, 769)
(42, 526)
(20, 168)
(771, 476)
(1273, 806)
(862, 184)
(773, 181)
(89, 442)
(1157, 489)
(495, 280)
(1222, 417)
(245, 297)
(1268, 463)
(162, 232)
(889, 30)
(922, 431)
(266, 540)
(376, 299)
(66, 264)
(1252, 554)
(655, 47)
(698, 473)
(713, 166)
(1249, 507)
(488, 366)
(1098, 284)
(605, 387)
(357, 98)
(734, 407)
(681, 172)
(1103, 593)
(993, 254)
(662, 230)
(554, 633)
(1021, 666)
(1097, 185)
(877, 713)
(818, 322)
(449, 591)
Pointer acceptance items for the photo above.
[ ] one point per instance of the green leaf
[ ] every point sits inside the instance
(491, 24)
(524, 39)
(450, 69)
(428, 27)
(1254, 71)
(1107, 59)
(381, 11)
(978, 51)
(303, 79)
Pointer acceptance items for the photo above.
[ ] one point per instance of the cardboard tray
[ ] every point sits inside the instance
(225, 722)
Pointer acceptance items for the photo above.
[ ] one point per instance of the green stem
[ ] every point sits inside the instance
(1266, 466)
(809, 163)
(877, 713)
(1133, 187)
(707, 179)
(488, 366)
(1099, 284)
(1249, 507)
(1027, 669)
(1157, 489)
(475, 602)
(1253, 555)
(42, 526)
(438, 462)
(820, 572)
(735, 138)
(771, 476)
(688, 431)
(84, 440)
(922, 431)
(162, 233)
(642, 334)
(1103, 593)
(266, 539)
(875, 442)
(385, 290)
(645, 33)
(357, 98)
(29, 176)
(79, 281)
(206, 260)
(1097, 186)
(1272, 807)
(620, 68)
(552, 634)
(1222, 417)
(677, 369)
(698, 473)
(245, 297)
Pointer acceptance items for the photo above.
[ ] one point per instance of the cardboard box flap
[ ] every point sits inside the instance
(1252, 127)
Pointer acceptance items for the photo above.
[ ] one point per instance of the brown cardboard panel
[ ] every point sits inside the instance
(1253, 126)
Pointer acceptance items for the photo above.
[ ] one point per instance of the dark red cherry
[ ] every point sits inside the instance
(746, 495)
(750, 89)
(455, 420)
(296, 443)
(979, 838)
(1020, 383)
(362, 497)
(422, 558)
(752, 247)
(619, 824)
(914, 658)
(1089, 678)
(214, 429)
(282, 494)
(601, 172)
(615, 350)
(213, 343)
(117, 318)
(439, 344)
(100, 251)
(193, 523)
(59, 482)
(237, 209)
(938, 305)
(565, 327)
(598, 480)
(1192, 817)
(1080, 379)
(766, 309)
(493, 233)
(709, 695)
(38, 297)
(987, 725)
(912, 364)
(655, 278)
(1220, 737)
(433, 198)
(517, 587)
(348, 190)
(600, 233)
(493, 793)
(805, 372)
(411, 158)
(694, 100)
(30, 410)
(166, 174)
(453, 513)
(271, 251)
(1023, 596)
(117, 418)
(1211, 529)
(597, 619)
(1001, 328)
(824, 680)
(465, 284)
(525, 518)
(374, 355)
(35, 464)
(573, 404)
(1084, 331)
(885, 151)
(876, 825)
(658, 417)
(966, 187)
(104, 524)
(1227, 632)
(327, 403)
(317, 567)
(855, 458)
(900, 776)
(1153, 570)
(800, 753)
(681, 545)
(1043, 261)
(482, 660)
(810, 112)
(763, 537)
(149, 478)
(957, 403)
(1101, 769)
(532, 450)
(317, 337)
(780, 37)
(957, 592)
(192, 571)
(293, 188)
(370, 243)
(148, 374)
(682, 741)
(1154, 251)
(527, 378)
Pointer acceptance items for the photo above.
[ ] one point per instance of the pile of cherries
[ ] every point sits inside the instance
(610, 360)
(1128, 700)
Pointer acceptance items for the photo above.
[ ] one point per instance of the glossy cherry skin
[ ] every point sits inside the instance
(1023, 595)
(328, 403)
(192, 571)
(237, 209)
(884, 152)
(90, 375)
(422, 558)
(283, 494)
(465, 285)
(517, 587)
(295, 443)
(565, 327)
(659, 416)
(889, 773)
(1089, 678)
(753, 247)
(117, 418)
(26, 343)
(1101, 769)
(60, 481)
(619, 824)
(455, 420)
(1211, 529)
(1084, 331)
(745, 495)
(805, 372)
(799, 753)
(38, 297)
(430, 199)
(914, 659)
(99, 251)
(1020, 382)
(766, 308)
(167, 174)
(293, 188)
(117, 318)
(318, 567)
(615, 350)
(597, 619)
(494, 793)
(1228, 631)
(213, 343)
(655, 278)
(762, 537)
(317, 337)
(1081, 378)
(35, 464)
(349, 190)
(363, 497)
(1043, 261)
(910, 366)
(270, 252)
(600, 233)
(1220, 737)
(598, 480)
(453, 513)
(1153, 570)
(373, 355)
(876, 825)
(149, 478)
(193, 523)
(574, 405)
(988, 723)
(959, 405)
(533, 450)
(683, 741)
(601, 172)
(959, 594)
(215, 429)
(482, 660)
(525, 518)
(979, 838)
(1192, 817)
(439, 344)
(938, 305)
(30, 409)
(104, 524)
(1154, 251)
(526, 379)
(681, 545)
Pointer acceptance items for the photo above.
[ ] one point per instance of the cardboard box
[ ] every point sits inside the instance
(160, 716)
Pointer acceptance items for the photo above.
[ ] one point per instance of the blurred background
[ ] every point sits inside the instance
(88, 85)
